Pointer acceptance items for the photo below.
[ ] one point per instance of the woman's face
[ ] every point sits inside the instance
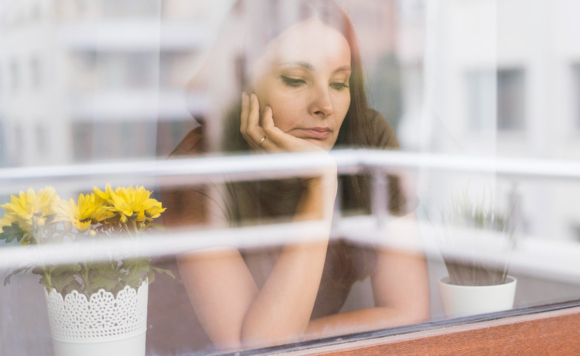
(304, 77)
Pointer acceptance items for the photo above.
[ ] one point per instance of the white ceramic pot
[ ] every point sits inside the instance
(461, 300)
(103, 325)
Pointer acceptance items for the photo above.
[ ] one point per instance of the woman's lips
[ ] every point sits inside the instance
(316, 132)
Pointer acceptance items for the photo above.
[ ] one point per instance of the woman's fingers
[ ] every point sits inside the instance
(264, 137)
(244, 116)
(250, 108)
(275, 135)
(254, 130)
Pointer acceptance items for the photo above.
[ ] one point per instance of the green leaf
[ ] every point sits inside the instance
(62, 280)
(74, 285)
(157, 226)
(15, 272)
(135, 268)
(72, 269)
(45, 283)
(12, 232)
(151, 277)
(161, 270)
(103, 282)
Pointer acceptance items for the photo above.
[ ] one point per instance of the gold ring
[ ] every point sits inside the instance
(262, 141)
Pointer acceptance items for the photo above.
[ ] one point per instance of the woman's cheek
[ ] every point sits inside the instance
(282, 119)
(286, 113)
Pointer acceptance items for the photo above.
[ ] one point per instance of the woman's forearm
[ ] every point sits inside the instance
(281, 311)
(362, 320)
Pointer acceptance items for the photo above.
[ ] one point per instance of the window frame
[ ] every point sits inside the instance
(514, 331)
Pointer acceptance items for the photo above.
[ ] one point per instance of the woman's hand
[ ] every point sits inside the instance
(267, 137)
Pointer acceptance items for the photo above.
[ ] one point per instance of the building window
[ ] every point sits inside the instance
(511, 100)
(15, 75)
(36, 12)
(496, 100)
(82, 6)
(131, 8)
(117, 140)
(141, 70)
(35, 72)
(576, 95)
(481, 100)
(42, 146)
(3, 143)
(111, 71)
(18, 145)
(82, 141)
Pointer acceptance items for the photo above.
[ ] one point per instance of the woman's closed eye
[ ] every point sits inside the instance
(338, 85)
(296, 82)
(292, 82)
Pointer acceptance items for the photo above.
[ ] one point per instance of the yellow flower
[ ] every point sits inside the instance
(128, 202)
(7, 220)
(100, 212)
(106, 195)
(145, 207)
(31, 208)
(78, 215)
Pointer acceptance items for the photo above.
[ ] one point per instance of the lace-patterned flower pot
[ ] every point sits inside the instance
(101, 326)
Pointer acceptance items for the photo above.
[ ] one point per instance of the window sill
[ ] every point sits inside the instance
(551, 328)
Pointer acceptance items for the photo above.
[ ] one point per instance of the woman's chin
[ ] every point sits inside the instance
(320, 143)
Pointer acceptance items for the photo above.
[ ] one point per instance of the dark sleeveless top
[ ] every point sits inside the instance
(254, 203)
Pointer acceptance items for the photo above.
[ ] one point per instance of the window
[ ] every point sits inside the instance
(511, 94)
(496, 99)
(18, 144)
(36, 12)
(3, 143)
(117, 140)
(15, 75)
(130, 8)
(141, 70)
(35, 72)
(83, 141)
(83, 6)
(576, 94)
(402, 159)
(42, 139)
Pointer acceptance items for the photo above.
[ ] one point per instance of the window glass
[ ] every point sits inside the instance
(256, 173)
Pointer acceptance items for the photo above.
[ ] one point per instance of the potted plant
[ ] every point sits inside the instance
(476, 240)
(96, 307)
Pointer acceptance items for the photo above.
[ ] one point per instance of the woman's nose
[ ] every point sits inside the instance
(321, 104)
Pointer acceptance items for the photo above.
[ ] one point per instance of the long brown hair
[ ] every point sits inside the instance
(355, 131)
(348, 265)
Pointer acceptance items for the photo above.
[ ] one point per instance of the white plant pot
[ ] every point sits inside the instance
(459, 301)
(102, 326)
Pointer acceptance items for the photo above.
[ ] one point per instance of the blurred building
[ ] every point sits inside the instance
(500, 79)
(86, 80)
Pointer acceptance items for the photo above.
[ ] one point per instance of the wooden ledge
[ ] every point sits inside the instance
(548, 333)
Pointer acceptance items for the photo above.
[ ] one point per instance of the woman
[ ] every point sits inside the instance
(303, 90)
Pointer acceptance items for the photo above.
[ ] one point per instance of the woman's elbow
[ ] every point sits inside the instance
(258, 336)
(417, 314)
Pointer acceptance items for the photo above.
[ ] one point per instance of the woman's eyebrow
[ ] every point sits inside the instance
(305, 65)
(342, 69)
(310, 67)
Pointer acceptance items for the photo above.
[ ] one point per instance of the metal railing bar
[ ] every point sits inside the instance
(292, 164)
(162, 244)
